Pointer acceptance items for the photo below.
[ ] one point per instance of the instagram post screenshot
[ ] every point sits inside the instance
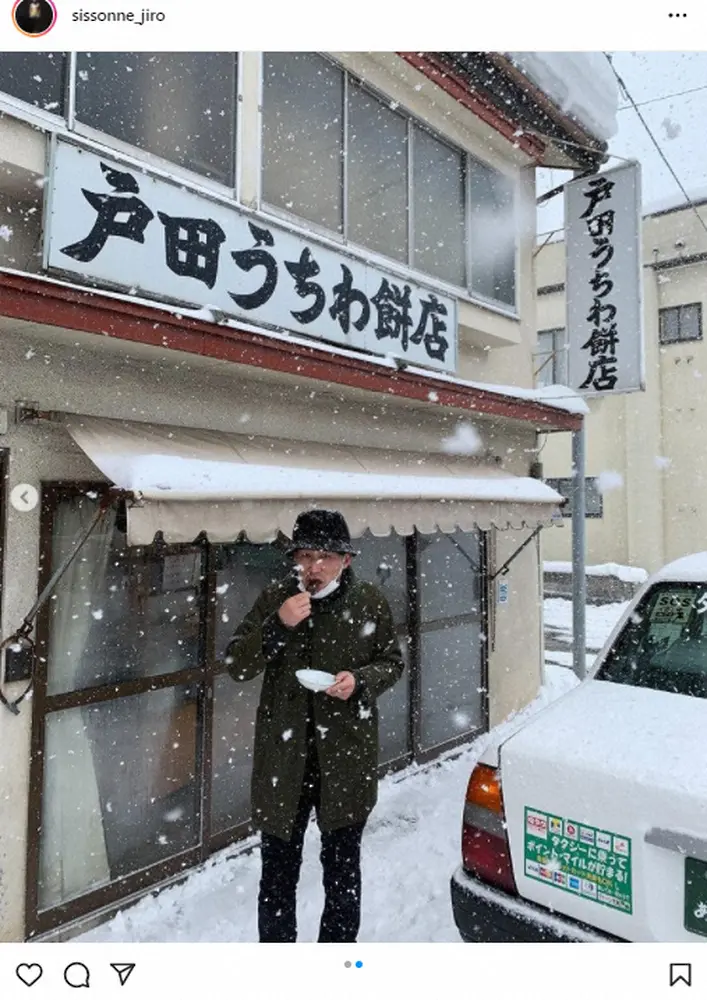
(353, 500)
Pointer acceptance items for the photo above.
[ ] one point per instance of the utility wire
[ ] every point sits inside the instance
(663, 97)
(655, 142)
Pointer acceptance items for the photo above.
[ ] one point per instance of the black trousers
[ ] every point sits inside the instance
(341, 866)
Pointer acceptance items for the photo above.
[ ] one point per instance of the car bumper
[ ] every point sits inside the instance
(485, 914)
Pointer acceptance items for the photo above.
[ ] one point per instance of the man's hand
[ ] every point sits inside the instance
(343, 686)
(295, 610)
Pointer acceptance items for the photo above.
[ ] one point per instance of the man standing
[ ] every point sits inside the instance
(315, 751)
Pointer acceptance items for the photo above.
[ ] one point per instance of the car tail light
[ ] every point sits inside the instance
(485, 849)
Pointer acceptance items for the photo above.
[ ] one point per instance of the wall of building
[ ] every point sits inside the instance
(63, 370)
(653, 439)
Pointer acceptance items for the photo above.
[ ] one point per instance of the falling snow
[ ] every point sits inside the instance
(464, 441)
(609, 481)
(671, 129)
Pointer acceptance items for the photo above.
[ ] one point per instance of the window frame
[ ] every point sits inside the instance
(67, 127)
(39, 921)
(678, 310)
(556, 359)
(563, 485)
(112, 896)
(405, 270)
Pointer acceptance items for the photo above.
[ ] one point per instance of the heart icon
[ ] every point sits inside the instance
(29, 974)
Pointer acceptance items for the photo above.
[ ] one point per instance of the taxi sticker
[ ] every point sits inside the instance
(585, 860)
(673, 607)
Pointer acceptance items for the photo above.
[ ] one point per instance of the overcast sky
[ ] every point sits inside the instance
(670, 89)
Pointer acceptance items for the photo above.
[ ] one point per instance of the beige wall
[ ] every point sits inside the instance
(515, 667)
(660, 513)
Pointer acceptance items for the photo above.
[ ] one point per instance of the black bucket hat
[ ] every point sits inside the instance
(321, 530)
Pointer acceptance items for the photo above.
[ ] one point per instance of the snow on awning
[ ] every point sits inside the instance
(193, 481)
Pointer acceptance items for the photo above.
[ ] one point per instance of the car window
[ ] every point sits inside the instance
(663, 644)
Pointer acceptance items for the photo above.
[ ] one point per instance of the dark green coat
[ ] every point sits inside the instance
(352, 629)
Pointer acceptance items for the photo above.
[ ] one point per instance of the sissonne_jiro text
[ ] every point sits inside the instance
(143, 16)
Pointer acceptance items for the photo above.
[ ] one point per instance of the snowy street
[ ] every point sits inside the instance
(410, 849)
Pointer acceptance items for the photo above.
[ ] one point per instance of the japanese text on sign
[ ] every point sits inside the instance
(583, 860)
(603, 342)
(603, 286)
(185, 248)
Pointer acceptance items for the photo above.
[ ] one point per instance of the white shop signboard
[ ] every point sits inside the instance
(604, 282)
(116, 226)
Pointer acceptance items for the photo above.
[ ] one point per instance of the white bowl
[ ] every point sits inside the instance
(315, 680)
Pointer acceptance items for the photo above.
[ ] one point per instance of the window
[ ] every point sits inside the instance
(493, 229)
(303, 136)
(143, 744)
(593, 497)
(180, 106)
(339, 156)
(450, 643)
(35, 77)
(120, 781)
(383, 562)
(377, 164)
(550, 358)
(663, 645)
(679, 323)
(438, 208)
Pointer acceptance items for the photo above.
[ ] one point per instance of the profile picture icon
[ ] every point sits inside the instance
(34, 17)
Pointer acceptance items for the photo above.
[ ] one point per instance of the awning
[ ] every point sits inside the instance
(188, 482)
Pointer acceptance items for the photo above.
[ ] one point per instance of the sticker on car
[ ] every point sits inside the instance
(536, 824)
(596, 864)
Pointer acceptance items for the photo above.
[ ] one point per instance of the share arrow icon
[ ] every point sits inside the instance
(124, 970)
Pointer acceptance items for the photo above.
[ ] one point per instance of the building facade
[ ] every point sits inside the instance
(221, 304)
(646, 465)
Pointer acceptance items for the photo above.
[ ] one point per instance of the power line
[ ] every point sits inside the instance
(664, 97)
(655, 142)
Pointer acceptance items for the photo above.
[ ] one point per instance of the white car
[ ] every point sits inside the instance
(589, 823)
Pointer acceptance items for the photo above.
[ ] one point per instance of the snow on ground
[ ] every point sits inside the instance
(600, 621)
(410, 849)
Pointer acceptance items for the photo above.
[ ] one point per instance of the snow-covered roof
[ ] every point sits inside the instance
(688, 569)
(675, 200)
(581, 84)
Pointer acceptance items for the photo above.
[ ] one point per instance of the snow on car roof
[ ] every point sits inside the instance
(692, 568)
